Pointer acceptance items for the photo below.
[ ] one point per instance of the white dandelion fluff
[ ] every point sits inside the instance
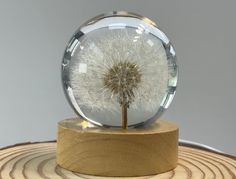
(93, 67)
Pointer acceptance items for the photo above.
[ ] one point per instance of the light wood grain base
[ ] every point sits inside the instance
(117, 152)
(38, 161)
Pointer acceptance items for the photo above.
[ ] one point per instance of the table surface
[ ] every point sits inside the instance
(38, 160)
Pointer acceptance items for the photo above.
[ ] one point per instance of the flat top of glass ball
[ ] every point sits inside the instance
(119, 68)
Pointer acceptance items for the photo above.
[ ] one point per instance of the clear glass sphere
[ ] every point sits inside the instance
(118, 68)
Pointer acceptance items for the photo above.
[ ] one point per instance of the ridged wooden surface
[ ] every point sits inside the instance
(37, 160)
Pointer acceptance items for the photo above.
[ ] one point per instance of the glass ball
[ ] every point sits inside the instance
(119, 70)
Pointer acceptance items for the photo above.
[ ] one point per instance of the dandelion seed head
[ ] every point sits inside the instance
(114, 62)
(122, 79)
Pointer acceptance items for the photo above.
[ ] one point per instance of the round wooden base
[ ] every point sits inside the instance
(117, 152)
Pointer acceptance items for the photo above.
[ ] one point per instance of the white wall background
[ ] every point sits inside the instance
(33, 35)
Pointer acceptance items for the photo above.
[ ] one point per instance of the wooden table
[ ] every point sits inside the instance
(37, 160)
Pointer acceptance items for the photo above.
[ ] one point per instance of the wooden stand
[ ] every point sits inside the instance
(117, 152)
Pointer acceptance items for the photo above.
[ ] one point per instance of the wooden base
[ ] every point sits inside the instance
(117, 152)
(38, 160)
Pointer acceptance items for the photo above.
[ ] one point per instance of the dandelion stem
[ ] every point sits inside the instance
(124, 116)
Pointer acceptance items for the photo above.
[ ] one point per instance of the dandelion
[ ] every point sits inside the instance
(119, 69)
(122, 79)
